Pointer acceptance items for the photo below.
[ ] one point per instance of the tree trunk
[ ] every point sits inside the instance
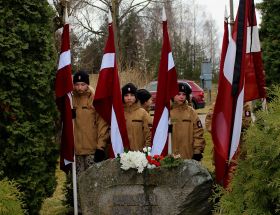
(116, 26)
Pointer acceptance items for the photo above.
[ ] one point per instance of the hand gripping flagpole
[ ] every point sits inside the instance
(74, 172)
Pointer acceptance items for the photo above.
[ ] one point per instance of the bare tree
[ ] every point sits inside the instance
(191, 30)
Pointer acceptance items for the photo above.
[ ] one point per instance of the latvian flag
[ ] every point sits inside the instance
(167, 88)
(241, 79)
(63, 90)
(108, 100)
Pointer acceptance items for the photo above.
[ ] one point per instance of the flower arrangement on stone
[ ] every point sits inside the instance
(133, 159)
(141, 160)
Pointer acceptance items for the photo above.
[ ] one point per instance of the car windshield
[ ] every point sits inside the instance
(152, 87)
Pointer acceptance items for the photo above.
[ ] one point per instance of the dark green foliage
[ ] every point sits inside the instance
(27, 109)
(256, 183)
(68, 190)
(270, 39)
(10, 198)
(129, 41)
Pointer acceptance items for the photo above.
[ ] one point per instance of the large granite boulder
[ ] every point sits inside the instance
(107, 189)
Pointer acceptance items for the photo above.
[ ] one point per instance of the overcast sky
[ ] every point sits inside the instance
(217, 10)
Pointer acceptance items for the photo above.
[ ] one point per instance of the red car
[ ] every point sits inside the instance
(197, 93)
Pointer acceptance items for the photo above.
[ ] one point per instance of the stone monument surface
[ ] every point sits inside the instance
(106, 189)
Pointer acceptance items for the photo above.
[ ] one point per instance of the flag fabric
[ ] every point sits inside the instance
(108, 100)
(254, 75)
(167, 88)
(63, 91)
(221, 120)
(238, 70)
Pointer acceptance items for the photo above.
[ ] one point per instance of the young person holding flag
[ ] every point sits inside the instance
(90, 130)
(137, 119)
(186, 127)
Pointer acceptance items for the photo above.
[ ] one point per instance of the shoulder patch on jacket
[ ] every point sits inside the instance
(247, 113)
(199, 124)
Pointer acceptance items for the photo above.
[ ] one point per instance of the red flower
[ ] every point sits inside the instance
(149, 158)
(156, 157)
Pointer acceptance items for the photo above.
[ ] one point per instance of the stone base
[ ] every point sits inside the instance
(106, 189)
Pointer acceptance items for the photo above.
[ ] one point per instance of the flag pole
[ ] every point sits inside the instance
(169, 138)
(231, 19)
(74, 172)
(74, 178)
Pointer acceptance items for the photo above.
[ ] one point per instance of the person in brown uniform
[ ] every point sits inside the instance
(137, 119)
(246, 122)
(187, 133)
(90, 130)
(145, 99)
(246, 117)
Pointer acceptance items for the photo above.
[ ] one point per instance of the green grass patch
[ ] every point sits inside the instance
(207, 160)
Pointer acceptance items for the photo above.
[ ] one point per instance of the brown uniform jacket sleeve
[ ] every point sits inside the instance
(208, 118)
(199, 141)
(103, 132)
(147, 132)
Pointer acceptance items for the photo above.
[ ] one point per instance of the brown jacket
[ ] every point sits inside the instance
(208, 118)
(137, 125)
(90, 130)
(187, 132)
(246, 117)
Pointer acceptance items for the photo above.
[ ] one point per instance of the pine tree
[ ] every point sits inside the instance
(270, 39)
(27, 109)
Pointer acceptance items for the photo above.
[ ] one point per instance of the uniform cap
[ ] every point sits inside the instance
(143, 95)
(81, 76)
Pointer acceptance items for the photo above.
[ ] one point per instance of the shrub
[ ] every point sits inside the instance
(10, 198)
(256, 183)
(27, 109)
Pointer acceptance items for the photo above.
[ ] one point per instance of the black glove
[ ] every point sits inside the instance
(99, 155)
(170, 128)
(197, 157)
(73, 113)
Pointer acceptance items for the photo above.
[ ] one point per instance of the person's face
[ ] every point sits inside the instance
(129, 99)
(80, 87)
(180, 98)
(148, 103)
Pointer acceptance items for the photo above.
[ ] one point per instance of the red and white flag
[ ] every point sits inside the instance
(238, 70)
(63, 91)
(222, 113)
(107, 99)
(167, 88)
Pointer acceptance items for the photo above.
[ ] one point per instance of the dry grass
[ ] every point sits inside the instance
(133, 76)
(54, 205)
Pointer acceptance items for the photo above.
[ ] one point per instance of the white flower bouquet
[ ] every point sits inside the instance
(134, 159)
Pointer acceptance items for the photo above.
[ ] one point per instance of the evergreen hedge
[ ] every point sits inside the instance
(10, 198)
(27, 108)
(255, 188)
(270, 39)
